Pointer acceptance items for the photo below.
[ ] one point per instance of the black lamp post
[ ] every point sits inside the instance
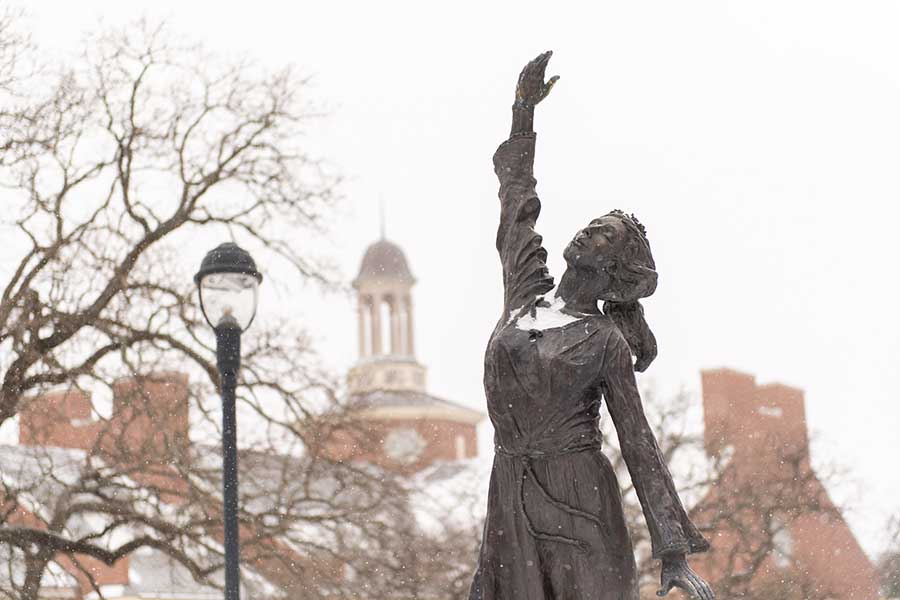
(228, 282)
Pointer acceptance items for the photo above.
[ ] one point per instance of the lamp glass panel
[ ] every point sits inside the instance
(227, 295)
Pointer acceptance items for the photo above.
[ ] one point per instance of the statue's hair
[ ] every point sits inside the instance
(633, 277)
(631, 222)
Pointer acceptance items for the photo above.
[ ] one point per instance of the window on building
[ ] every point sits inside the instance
(460, 446)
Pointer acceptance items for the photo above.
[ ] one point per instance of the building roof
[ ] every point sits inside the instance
(449, 495)
(153, 574)
(403, 404)
(384, 260)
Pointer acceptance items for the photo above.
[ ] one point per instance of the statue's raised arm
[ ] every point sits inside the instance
(525, 275)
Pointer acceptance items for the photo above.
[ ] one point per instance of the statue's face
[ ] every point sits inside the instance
(594, 245)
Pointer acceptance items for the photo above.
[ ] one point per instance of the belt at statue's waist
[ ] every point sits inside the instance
(526, 456)
(532, 453)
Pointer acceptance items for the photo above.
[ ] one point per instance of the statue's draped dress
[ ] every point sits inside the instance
(555, 528)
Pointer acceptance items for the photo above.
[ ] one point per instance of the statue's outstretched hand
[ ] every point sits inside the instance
(677, 573)
(531, 88)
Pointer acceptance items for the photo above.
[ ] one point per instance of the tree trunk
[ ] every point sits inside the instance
(35, 565)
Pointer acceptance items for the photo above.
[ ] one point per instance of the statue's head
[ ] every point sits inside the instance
(614, 250)
(612, 262)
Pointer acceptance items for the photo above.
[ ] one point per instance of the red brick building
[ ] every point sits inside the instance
(776, 533)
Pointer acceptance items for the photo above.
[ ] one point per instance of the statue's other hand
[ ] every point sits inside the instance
(677, 573)
(531, 88)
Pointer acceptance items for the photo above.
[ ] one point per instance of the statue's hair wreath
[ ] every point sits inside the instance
(631, 220)
(636, 227)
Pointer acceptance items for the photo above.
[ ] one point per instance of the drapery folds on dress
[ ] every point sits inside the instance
(555, 528)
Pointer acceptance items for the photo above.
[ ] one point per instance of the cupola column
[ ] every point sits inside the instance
(377, 348)
(361, 315)
(408, 309)
(396, 339)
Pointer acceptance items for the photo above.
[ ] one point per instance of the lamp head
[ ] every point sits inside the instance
(228, 281)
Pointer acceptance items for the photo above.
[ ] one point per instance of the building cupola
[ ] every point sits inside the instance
(385, 313)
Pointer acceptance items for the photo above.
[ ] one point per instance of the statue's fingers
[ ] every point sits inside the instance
(549, 85)
(692, 588)
(703, 589)
(665, 586)
(693, 585)
(685, 585)
(540, 63)
(536, 64)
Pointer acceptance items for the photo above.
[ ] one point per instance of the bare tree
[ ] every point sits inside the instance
(108, 166)
(114, 166)
(16, 68)
(889, 561)
(444, 537)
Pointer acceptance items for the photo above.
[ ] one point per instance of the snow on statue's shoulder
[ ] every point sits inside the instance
(545, 317)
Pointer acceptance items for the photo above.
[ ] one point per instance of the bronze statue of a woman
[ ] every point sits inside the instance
(555, 528)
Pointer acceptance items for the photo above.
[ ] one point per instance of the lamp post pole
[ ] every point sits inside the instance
(228, 283)
(228, 359)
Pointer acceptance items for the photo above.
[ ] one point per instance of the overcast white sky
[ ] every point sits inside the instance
(759, 142)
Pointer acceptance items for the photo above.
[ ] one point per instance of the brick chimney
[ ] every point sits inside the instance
(150, 417)
(761, 424)
(61, 418)
(149, 421)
